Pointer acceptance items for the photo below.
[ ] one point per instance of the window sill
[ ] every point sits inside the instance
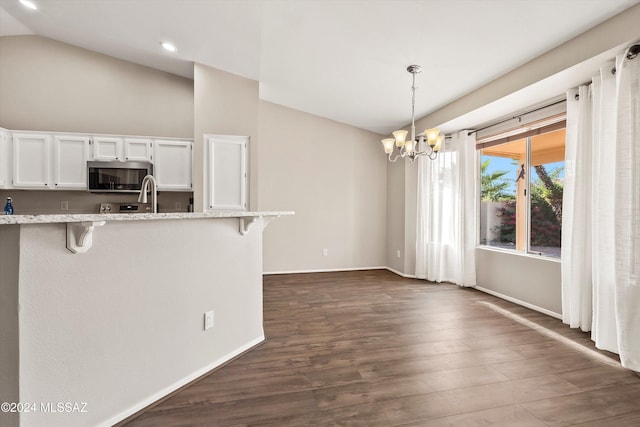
(518, 253)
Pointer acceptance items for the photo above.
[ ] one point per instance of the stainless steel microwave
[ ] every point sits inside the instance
(117, 177)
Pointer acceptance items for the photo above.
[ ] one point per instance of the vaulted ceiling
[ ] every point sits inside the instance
(341, 59)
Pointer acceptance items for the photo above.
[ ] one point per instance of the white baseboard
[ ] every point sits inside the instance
(408, 276)
(519, 302)
(334, 270)
(322, 270)
(180, 383)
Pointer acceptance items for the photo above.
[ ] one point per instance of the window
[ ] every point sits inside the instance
(521, 192)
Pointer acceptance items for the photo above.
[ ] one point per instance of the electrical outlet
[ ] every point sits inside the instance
(178, 206)
(325, 252)
(398, 253)
(208, 320)
(64, 205)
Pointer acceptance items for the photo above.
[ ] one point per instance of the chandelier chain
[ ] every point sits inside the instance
(413, 107)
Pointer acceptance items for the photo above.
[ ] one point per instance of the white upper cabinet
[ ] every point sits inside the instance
(226, 171)
(31, 160)
(107, 148)
(137, 149)
(48, 160)
(115, 148)
(172, 160)
(5, 162)
(39, 157)
(70, 155)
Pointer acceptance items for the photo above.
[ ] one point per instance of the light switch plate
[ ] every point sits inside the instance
(208, 320)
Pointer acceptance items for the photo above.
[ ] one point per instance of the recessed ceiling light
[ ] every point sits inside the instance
(29, 4)
(168, 46)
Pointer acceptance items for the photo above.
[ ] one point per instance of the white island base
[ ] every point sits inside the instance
(121, 325)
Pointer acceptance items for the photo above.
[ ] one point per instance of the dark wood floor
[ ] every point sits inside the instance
(374, 349)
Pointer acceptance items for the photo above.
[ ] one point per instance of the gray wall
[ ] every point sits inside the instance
(620, 29)
(31, 202)
(225, 104)
(334, 177)
(9, 327)
(395, 215)
(337, 171)
(535, 281)
(51, 86)
(122, 324)
(531, 280)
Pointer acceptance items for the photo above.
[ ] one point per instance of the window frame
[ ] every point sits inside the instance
(551, 124)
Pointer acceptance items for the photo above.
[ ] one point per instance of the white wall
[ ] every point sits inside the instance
(334, 177)
(121, 325)
(52, 86)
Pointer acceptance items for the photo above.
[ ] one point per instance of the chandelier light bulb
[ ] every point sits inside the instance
(432, 136)
(388, 145)
(439, 142)
(408, 147)
(400, 136)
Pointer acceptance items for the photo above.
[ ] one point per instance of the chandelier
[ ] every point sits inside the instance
(408, 147)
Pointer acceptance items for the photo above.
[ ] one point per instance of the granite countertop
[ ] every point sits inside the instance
(74, 218)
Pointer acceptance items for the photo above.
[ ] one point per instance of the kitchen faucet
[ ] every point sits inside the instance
(149, 184)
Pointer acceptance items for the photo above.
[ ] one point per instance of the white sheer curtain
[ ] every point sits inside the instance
(603, 329)
(576, 212)
(627, 213)
(601, 210)
(446, 216)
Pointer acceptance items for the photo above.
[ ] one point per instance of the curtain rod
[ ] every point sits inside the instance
(517, 117)
(632, 53)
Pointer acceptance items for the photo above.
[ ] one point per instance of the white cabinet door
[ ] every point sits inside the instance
(107, 148)
(226, 172)
(31, 160)
(137, 149)
(5, 161)
(172, 162)
(70, 155)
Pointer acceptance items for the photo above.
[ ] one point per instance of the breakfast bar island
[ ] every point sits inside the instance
(105, 314)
